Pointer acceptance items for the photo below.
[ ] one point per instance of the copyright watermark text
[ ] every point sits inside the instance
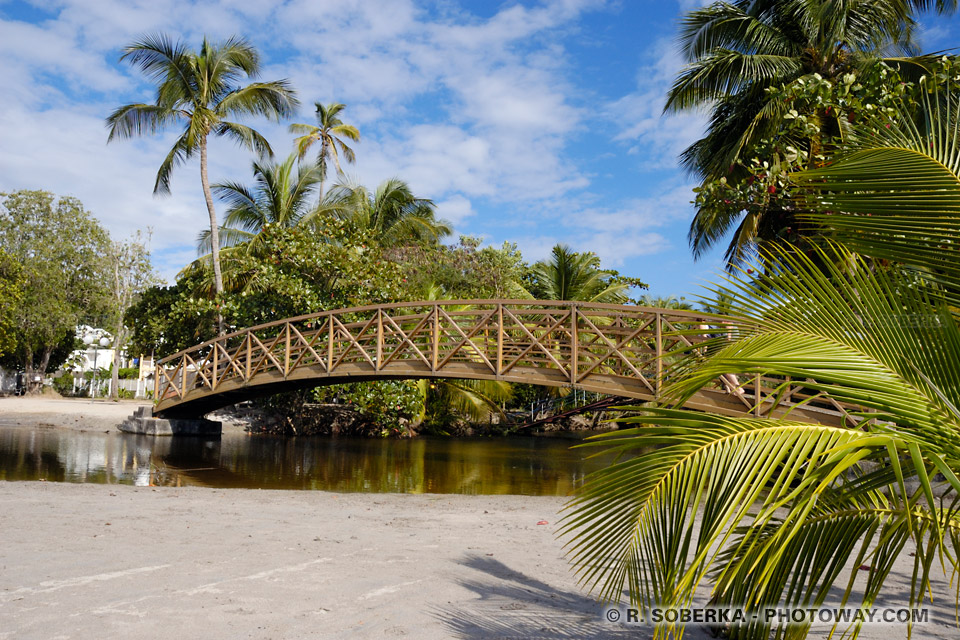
(773, 616)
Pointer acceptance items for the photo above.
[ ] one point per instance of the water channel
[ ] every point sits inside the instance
(526, 465)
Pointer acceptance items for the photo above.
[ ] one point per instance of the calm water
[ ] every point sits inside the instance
(518, 465)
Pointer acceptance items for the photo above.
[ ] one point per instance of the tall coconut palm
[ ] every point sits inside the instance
(568, 275)
(329, 132)
(737, 50)
(199, 90)
(391, 213)
(772, 511)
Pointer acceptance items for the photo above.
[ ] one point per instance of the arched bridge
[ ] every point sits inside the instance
(608, 349)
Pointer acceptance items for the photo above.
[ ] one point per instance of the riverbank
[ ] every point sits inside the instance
(81, 414)
(113, 561)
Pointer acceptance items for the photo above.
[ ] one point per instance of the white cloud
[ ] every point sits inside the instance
(656, 136)
(455, 209)
(635, 229)
(505, 115)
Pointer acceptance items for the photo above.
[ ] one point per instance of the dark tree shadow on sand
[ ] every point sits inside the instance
(514, 605)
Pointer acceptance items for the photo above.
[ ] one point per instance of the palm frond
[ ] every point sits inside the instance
(138, 119)
(898, 196)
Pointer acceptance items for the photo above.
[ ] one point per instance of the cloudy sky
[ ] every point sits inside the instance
(535, 122)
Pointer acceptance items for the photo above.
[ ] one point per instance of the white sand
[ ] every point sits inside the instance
(114, 561)
(81, 414)
(67, 413)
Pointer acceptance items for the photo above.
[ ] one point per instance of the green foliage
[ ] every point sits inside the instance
(61, 250)
(329, 131)
(198, 89)
(163, 322)
(390, 404)
(785, 506)
(462, 271)
(756, 199)
(526, 394)
(279, 197)
(63, 384)
(448, 402)
(391, 214)
(291, 272)
(132, 273)
(569, 275)
(915, 218)
(670, 302)
(736, 50)
(11, 297)
(305, 271)
(128, 373)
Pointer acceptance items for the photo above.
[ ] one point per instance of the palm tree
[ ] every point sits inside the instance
(391, 213)
(199, 90)
(329, 131)
(772, 510)
(569, 275)
(281, 196)
(738, 50)
(670, 302)
(445, 401)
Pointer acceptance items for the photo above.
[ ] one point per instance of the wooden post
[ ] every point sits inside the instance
(330, 344)
(183, 376)
(436, 336)
(286, 354)
(659, 348)
(500, 338)
(379, 360)
(157, 368)
(249, 357)
(216, 366)
(574, 344)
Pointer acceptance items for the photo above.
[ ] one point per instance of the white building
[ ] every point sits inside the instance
(98, 355)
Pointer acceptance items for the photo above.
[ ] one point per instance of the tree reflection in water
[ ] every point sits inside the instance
(515, 465)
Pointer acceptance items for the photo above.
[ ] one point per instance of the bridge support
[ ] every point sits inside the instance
(143, 423)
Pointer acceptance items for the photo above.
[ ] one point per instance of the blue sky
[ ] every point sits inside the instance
(533, 122)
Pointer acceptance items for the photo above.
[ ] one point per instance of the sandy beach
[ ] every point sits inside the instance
(66, 413)
(116, 561)
(81, 414)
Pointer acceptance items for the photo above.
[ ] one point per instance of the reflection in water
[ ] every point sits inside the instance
(520, 465)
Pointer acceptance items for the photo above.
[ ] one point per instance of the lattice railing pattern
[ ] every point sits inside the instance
(606, 348)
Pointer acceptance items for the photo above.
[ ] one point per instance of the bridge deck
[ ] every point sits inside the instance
(610, 349)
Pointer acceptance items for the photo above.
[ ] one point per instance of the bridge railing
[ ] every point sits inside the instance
(620, 350)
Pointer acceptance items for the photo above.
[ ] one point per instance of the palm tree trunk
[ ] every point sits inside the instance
(322, 161)
(214, 228)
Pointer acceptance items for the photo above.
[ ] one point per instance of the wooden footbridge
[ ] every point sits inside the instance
(609, 349)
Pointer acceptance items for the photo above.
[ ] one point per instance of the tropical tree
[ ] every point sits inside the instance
(669, 302)
(199, 90)
(329, 131)
(568, 275)
(392, 214)
(738, 54)
(280, 196)
(772, 511)
(447, 401)
(11, 297)
(62, 279)
(130, 274)
(463, 271)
